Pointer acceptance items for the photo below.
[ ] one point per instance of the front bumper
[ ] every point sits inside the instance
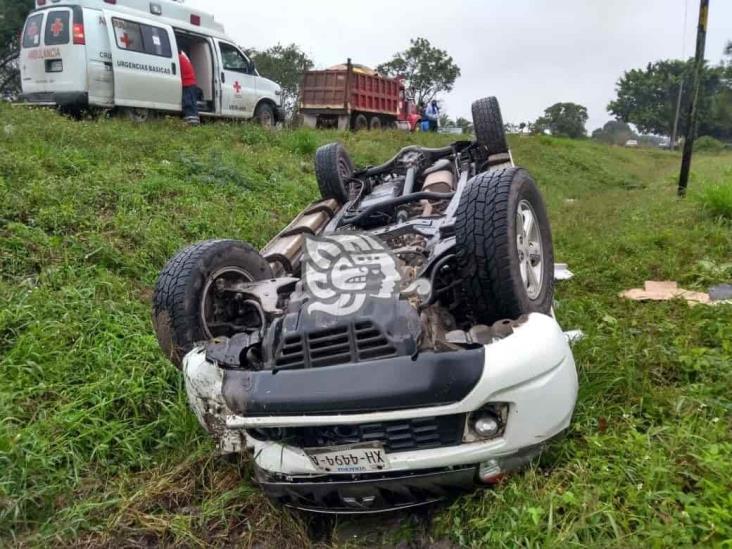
(373, 494)
(392, 491)
(532, 371)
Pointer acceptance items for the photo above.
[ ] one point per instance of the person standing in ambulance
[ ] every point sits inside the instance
(190, 89)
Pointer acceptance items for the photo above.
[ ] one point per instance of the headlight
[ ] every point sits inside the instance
(486, 423)
(486, 426)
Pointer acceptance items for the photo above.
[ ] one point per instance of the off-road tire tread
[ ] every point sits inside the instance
(172, 289)
(326, 172)
(484, 248)
(488, 125)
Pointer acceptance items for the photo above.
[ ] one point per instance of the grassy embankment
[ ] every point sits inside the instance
(96, 441)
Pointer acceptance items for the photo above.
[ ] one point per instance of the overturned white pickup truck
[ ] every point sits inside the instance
(395, 343)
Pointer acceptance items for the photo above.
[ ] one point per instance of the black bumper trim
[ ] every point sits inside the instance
(433, 379)
(371, 495)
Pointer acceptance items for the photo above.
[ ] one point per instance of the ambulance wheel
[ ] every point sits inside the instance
(191, 302)
(264, 115)
(137, 115)
(74, 112)
(360, 122)
(375, 123)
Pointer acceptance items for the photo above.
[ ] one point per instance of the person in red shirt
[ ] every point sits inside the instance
(190, 89)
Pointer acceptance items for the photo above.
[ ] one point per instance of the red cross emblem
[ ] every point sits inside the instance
(237, 87)
(57, 27)
(126, 40)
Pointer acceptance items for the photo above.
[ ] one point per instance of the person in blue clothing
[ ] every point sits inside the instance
(432, 113)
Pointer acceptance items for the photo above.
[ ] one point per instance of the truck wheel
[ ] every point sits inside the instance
(375, 123)
(264, 115)
(360, 122)
(504, 246)
(137, 115)
(333, 169)
(488, 125)
(188, 308)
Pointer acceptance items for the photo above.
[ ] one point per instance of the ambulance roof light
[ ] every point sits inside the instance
(195, 20)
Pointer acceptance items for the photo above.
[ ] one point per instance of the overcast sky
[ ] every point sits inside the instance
(529, 53)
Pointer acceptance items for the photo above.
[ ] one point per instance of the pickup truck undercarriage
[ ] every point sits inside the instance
(393, 341)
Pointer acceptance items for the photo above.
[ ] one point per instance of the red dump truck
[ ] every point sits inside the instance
(355, 97)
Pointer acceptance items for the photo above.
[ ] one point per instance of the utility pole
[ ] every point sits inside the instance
(701, 37)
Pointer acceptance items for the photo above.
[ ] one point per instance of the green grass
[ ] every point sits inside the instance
(96, 442)
(717, 199)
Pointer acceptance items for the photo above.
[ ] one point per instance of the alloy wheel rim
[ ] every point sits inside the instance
(529, 249)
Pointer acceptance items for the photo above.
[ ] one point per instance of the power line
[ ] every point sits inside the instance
(683, 29)
(674, 132)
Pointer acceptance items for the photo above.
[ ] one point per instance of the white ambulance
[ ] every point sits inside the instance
(123, 55)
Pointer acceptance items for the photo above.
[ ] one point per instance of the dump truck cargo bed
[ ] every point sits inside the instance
(351, 96)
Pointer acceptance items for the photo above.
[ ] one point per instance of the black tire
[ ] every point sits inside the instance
(488, 124)
(487, 246)
(375, 123)
(264, 115)
(178, 302)
(360, 122)
(333, 169)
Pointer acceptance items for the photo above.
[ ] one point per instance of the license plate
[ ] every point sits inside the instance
(55, 65)
(354, 458)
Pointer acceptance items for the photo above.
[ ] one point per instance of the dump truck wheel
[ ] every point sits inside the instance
(504, 246)
(360, 122)
(187, 306)
(488, 125)
(375, 123)
(333, 169)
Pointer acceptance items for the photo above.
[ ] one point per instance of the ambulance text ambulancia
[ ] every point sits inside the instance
(123, 54)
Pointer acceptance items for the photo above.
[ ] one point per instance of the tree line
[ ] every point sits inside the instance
(648, 98)
(12, 17)
(426, 69)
